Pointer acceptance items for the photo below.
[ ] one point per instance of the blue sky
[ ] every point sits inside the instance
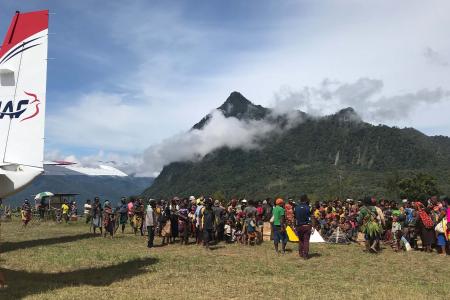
(125, 75)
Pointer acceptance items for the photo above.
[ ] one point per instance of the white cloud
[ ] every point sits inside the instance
(364, 95)
(101, 120)
(434, 57)
(195, 144)
(173, 69)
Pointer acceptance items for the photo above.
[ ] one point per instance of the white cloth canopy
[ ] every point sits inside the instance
(316, 237)
(43, 194)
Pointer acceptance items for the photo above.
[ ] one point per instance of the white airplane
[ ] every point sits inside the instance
(23, 76)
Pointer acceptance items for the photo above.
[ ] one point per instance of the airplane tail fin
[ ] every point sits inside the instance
(23, 76)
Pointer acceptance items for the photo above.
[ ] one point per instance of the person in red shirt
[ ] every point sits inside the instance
(289, 212)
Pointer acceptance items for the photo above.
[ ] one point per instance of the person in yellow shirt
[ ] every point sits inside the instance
(65, 211)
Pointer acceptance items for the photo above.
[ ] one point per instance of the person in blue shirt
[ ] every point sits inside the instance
(303, 225)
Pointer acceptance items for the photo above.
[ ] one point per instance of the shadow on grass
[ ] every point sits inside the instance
(21, 283)
(11, 246)
(216, 247)
(312, 255)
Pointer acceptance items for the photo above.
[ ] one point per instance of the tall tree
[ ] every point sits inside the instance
(418, 187)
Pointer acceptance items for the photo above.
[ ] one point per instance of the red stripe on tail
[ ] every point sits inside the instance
(23, 26)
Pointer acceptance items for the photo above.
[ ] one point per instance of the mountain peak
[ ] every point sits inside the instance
(235, 103)
(348, 114)
(239, 107)
(347, 110)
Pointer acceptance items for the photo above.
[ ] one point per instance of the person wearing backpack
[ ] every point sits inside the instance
(303, 225)
(425, 226)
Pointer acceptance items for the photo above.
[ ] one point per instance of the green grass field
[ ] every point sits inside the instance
(59, 261)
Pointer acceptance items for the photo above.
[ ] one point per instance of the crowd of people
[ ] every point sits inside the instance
(67, 211)
(403, 226)
(407, 225)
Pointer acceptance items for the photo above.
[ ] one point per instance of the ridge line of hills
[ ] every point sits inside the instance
(335, 155)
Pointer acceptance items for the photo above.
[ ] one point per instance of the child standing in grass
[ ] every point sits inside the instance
(396, 231)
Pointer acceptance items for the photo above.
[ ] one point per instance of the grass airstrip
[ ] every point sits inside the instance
(64, 261)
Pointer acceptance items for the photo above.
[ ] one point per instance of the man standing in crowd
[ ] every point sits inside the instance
(303, 223)
(219, 215)
(198, 209)
(97, 216)
(250, 221)
(279, 226)
(184, 222)
(43, 207)
(130, 212)
(150, 222)
(123, 213)
(207, 222)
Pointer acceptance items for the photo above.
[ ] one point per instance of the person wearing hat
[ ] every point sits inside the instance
(303, 225)
(279, 226)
